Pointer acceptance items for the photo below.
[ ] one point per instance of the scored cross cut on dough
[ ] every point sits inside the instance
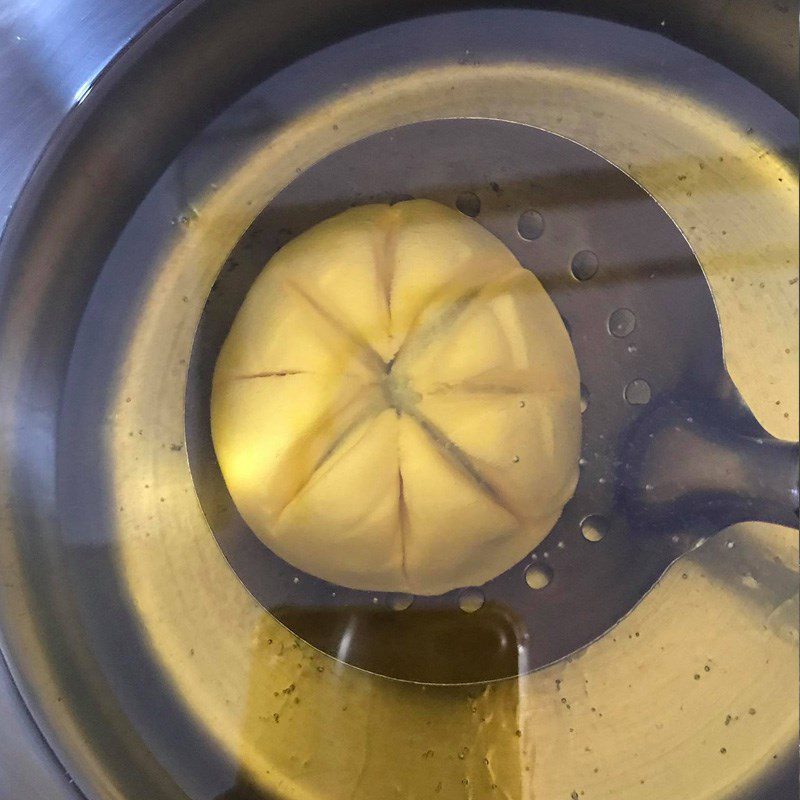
(343, 271)
(496, 342)
(271, 433)
(295, 336)
(439, 257)
(509, 439)
(456, 526)
(396, 406)
(359, 537)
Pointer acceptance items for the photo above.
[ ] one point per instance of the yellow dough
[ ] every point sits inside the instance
(397, 404)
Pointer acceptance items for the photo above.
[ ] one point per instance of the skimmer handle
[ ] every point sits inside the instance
(687, 469)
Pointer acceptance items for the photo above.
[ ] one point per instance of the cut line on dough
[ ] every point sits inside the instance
(279, 374)
(417, 341)
(460, 459)
(385, 254)
(403, 523)
(290, 373)
(368, 413)
(364, 346)
(467, 387)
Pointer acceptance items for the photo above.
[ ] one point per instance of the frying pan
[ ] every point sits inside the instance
(116, 595)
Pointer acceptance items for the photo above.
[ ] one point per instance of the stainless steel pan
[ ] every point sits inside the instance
(150, 669)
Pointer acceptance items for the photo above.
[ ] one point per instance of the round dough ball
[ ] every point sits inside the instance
(397, 404)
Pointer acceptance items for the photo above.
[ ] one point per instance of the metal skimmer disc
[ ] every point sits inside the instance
(642, 322)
